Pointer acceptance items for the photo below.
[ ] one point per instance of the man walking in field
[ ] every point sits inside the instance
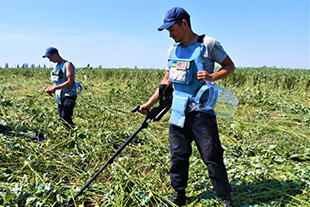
(64, 77)
(190, 64)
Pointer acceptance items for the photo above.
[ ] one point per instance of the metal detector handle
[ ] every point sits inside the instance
(162, 112)
(136, 108)
(157, 112)
(161, 109)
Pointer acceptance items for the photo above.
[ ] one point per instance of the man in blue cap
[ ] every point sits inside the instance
(63, 76)
(190, 63)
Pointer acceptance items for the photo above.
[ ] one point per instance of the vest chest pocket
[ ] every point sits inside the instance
(56, 76)
(180, 71)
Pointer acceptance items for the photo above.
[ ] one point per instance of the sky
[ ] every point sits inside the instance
(123, 33)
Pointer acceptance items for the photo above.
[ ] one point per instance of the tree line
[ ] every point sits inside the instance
(24, 65)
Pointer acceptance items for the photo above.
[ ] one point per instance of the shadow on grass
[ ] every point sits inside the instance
(261, 193)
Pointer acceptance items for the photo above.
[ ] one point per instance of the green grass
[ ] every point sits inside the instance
(267, 150)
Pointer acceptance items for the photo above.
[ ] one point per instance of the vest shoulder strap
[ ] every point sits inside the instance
(65, 65)
(200, 38)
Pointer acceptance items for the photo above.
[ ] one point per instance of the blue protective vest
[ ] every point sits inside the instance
(184, 63)
(59, 76)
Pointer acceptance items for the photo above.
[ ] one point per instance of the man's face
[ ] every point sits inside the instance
(52, 58)
(176, 32)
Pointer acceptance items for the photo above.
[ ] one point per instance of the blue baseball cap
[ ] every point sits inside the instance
(172, 16)
(50, 51)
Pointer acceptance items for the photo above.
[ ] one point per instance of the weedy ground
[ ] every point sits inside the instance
(267, 146)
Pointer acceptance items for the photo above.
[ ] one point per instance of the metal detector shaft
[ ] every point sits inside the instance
(155, 114)
(111, 159)
(17, 134)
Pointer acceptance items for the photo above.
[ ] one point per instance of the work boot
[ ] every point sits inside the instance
(178, 198)
(227, 202)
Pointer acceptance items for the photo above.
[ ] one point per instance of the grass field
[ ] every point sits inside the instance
(267, 141)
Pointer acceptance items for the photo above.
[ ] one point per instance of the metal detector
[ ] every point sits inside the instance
(39, 136)
(155, 114)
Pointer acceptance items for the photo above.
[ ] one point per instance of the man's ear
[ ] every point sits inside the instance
(184, 22)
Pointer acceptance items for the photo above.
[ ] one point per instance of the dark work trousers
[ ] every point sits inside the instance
(65, 110)
(202, 128)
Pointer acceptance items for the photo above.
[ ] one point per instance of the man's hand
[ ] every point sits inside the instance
(144, 109)
(204, 76)
(50, 90)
